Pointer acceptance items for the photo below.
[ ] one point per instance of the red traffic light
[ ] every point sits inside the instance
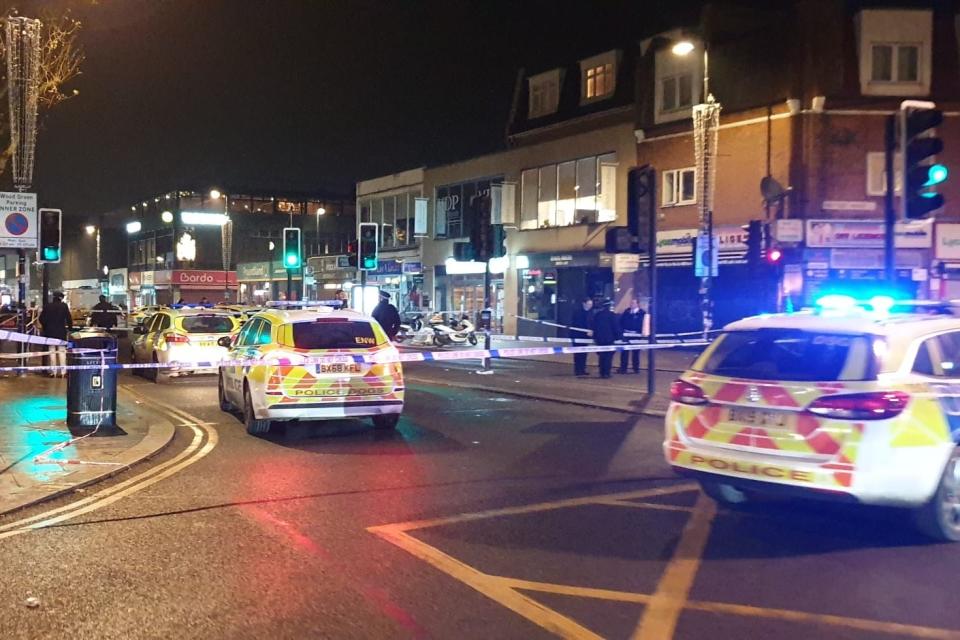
(774, 256)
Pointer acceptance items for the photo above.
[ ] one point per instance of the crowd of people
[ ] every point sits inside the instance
(606, 328)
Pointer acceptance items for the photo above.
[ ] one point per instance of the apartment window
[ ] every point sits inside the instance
(580, 191)
(544, 93)
(877, 175)
(895, 63)
(676, 92)
(598, 81)
(454, 206)
(679, 187)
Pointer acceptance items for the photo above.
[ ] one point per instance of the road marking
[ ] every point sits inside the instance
(659, 619)
(543, 506)
(106, 497)
(493, 587)
(646, 505)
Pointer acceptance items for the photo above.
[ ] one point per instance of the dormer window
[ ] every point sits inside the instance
(544, 90)
(895, 49)
(598, 77)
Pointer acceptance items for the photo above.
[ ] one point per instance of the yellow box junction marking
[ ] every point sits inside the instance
(663, 607)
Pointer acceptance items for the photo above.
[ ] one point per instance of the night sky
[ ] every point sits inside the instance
(302, 95)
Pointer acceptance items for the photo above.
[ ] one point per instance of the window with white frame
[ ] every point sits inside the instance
(679, 187)
(877, 175)
(581, 191)
(895, 48)
(544, 92)
(676, 92)
(895, 63)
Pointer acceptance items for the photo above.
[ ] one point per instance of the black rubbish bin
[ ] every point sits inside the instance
(92, 393)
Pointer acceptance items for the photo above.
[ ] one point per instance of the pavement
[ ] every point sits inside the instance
(551, 378)
(33, 422)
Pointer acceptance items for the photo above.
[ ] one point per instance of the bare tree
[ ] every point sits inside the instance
(61, 58)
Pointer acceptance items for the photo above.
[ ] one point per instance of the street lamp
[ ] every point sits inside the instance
(90, 229)
(94, 230)
(214, 194)
(706, 125)
(167, 217)
(320, 212)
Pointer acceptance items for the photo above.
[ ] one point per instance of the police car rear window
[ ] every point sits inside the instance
(779, 354)
(207, 324)
(333, 334)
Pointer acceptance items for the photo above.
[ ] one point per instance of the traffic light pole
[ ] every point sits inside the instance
(652, 288)
(889, 213)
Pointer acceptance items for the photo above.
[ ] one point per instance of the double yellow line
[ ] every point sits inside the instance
(204, 439)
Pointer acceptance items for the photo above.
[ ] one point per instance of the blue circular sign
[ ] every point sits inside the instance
(16, 224)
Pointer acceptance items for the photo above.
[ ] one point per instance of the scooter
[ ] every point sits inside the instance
(453, 333)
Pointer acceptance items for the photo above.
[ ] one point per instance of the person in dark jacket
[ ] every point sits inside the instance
(631, 322)
(606, 331)
(104, 314)
(56, 322)
(387, 315)
(580, 323)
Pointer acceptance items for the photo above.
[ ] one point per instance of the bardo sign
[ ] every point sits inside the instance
(204, 279)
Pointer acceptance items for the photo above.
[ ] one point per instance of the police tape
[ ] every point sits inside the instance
(26, 338)
(629, 334)
(639, 339)
(367, 358)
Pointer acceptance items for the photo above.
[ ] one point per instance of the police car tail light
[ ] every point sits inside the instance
(176, 338)
(879, 405)
(686, 393)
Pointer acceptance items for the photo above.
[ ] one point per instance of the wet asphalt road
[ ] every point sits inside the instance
(578, 528)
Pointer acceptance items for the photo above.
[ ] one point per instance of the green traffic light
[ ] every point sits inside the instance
(292, 260)
(936, 174)
(51, 253)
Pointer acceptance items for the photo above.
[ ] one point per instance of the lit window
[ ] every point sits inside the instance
(598, 81)
(895, 63)
(581, 191)
(679, 187)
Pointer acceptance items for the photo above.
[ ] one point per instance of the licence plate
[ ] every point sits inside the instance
(207, 343)
(758, 417)
(339, 367)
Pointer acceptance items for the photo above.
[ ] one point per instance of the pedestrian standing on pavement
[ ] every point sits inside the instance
(341, 296)
(387, 315)
(631, 321)
(104, 314)
(580, 324)
(56, 322)
(606, 331)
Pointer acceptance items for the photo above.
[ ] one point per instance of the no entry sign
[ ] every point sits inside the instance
(18, 211)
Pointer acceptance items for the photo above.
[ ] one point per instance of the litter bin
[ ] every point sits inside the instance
(92, 393)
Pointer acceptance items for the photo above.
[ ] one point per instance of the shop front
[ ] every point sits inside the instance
(551, 285)
(193, 286)
(117, 287)
(848, 256)
(945, 272)
(256, 287)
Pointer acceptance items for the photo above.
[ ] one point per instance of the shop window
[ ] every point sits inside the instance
(538, 299)
(581, 191)
(679, 187)
(387, 221)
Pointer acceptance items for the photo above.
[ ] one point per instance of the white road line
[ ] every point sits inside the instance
(106, 497)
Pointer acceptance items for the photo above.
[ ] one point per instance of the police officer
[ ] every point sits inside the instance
(580, 323)
(55, 321)
(104, 314)
(606, 331)
(387, 315)
(631, 321)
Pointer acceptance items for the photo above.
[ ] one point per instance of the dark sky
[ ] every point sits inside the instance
(308, 95)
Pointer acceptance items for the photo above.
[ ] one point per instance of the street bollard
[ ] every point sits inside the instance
(92, 393)
(486, 323)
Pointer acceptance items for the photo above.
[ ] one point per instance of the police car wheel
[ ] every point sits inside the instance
(253, 425)
(225, 405)
(940, 517)
(725, 494)
(160, 376)
(386, 421)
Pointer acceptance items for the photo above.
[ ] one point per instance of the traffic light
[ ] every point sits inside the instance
(352, 249)
(50, 236)
(641, 205)
(755, 250)
(368, 246)
(292, 258)
(773, 256)
(918, 146)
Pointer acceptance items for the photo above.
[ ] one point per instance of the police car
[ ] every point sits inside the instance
(286, 388)
(856, 401)
(182, 336)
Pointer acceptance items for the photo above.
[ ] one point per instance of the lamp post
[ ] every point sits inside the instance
(270, 247)
(706, 125)
(94, 230)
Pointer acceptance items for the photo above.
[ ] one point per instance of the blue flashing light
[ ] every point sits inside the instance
(882, 304)
(836, 302)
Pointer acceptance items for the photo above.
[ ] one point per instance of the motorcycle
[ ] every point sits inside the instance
(409, 327)
(455, 332)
